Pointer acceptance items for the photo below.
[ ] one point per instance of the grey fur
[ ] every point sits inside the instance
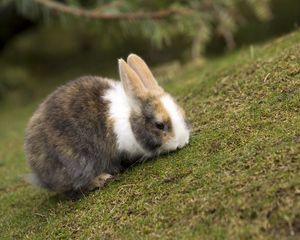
(68, 141)
(143, 126)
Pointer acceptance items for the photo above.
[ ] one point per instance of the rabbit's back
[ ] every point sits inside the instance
(68, 139)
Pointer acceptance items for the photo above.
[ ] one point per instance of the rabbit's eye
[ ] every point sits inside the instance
(160, 126)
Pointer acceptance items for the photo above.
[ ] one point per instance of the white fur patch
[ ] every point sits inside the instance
(180, 128)
(119, 112)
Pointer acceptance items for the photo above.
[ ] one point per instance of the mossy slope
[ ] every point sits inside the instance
(238, 178)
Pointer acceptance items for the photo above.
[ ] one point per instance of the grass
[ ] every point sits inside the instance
(238, 178)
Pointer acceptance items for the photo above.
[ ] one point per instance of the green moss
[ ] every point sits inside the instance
(237, 179)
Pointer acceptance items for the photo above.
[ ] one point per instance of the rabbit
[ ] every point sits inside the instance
(87, 130)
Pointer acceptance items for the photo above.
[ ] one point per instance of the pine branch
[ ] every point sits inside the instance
(99, 14)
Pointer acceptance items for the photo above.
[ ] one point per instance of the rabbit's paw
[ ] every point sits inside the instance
(101, 180)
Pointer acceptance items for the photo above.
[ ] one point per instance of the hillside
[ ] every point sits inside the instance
(237, 179)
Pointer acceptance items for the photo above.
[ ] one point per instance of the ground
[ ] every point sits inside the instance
(237, 179)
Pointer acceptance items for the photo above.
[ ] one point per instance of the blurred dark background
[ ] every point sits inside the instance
(44, 43)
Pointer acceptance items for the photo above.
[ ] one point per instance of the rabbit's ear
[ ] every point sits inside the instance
(133, 86)
(143, 71)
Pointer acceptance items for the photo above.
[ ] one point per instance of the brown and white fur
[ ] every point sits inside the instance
(88, 129)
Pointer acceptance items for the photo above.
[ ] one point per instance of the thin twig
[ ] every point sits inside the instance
(98, 14)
